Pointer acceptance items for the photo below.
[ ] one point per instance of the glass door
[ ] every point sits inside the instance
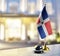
(13, 29)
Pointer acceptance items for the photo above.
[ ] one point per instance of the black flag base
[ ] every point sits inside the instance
(39, 49)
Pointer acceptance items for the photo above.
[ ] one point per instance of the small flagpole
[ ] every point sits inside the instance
(44, 40)
(45, 47)
(44, 44)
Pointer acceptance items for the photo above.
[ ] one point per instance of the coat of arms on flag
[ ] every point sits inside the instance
(43, 24)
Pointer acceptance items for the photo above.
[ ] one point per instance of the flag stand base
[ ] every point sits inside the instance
(45, 48)
(39, 49)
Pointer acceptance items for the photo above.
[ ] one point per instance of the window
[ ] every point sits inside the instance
(13, 28)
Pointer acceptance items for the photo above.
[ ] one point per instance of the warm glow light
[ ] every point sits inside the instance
(1, 32)
(13, 28)
(13, 22)
(29, 20)
(33, 32)
(23, 32)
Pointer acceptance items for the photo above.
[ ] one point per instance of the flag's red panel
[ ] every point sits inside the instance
(38, 20)
(48, 27)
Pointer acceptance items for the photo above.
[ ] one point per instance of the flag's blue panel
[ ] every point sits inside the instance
(41, 32)
(44, 13)
(13, 6)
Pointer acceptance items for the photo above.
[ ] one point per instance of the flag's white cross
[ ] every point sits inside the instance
(42, 23)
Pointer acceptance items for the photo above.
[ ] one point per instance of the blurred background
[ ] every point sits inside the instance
(18, 20)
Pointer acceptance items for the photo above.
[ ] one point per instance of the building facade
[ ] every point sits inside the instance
(19, 28)
(56, 14)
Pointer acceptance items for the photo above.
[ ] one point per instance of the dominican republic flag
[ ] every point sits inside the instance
(43, 24)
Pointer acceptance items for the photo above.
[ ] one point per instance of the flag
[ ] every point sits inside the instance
(43, 24)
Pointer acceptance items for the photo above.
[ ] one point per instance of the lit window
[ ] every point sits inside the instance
(13, 28)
